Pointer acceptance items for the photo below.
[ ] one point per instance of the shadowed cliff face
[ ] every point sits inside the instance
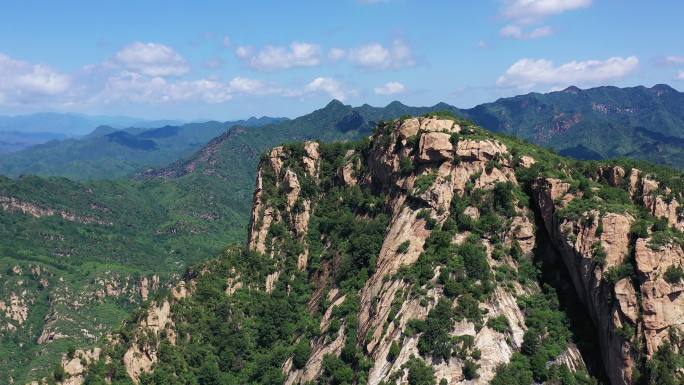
(414, 257)
(624, 272)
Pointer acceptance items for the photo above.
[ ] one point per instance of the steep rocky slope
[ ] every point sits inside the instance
(433, 252)
(628, 275)
(126, 231)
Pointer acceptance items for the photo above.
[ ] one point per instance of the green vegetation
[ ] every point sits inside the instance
(656, 121)
(246, 337)
(499, 324)
(436, 338)
(419, 373)
(424, 182)
(546, 337)
(674, 274)
(159, 225)
(108, 153)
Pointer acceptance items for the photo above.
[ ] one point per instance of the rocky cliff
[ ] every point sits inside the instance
(415, 256)
(628, 274)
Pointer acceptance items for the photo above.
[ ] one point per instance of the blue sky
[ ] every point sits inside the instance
(226, 60)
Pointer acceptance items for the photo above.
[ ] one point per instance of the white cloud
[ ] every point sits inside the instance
(246, 84)
(680, 75)
(225, 42)
(215, 63)
(274, 58)
(517, 32)
(333, 87)
(336, 54)
(151, 59)
(526, 11)
(23, 82)
(133, 87)
(674, 59)
(377, 56)
(390, 88)
(529, 73)
(522, 13)
(243, 52)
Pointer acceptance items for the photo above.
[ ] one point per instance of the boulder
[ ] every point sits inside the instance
(435, 147)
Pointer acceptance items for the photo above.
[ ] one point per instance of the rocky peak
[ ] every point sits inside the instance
(416, 253)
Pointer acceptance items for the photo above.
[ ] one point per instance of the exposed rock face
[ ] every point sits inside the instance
(454, 165)
(660, 202)
(13, 204)
(649, 304)
(16, 309)
(662, 302)
(575, 240)
(435, 147)
(442, 189)
(140, 357)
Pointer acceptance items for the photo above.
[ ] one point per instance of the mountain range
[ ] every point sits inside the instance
(433, 252)
(80, 255)
(111, 153)
(597, 123)
(23, 131)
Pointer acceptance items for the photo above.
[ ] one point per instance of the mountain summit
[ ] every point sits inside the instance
(436, 252)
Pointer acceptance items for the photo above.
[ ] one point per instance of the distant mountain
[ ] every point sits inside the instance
(87, 251)
(597, 123)
(239, 149)
(110, 153)
(23, 131)
(73, 124)
(13, 141)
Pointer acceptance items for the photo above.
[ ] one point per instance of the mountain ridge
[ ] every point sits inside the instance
(413, 257)
(596, 123)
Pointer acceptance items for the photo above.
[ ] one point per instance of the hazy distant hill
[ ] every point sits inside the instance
(109, 153)
(73, 124)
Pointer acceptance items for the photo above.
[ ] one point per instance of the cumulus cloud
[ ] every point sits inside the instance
(516, 32)
(22, 82)
(147, 73)
(333, 87)
(530, 73)
(522, 13)
(297, 54)
(246, 84)
(134, 87)
(390, 88)
(525, 11)
(151, 59)
(336, 54)
(674, 60)
(377, 56)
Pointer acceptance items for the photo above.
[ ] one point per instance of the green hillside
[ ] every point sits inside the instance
(109, 153)
(125, 230)
(597, 123)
